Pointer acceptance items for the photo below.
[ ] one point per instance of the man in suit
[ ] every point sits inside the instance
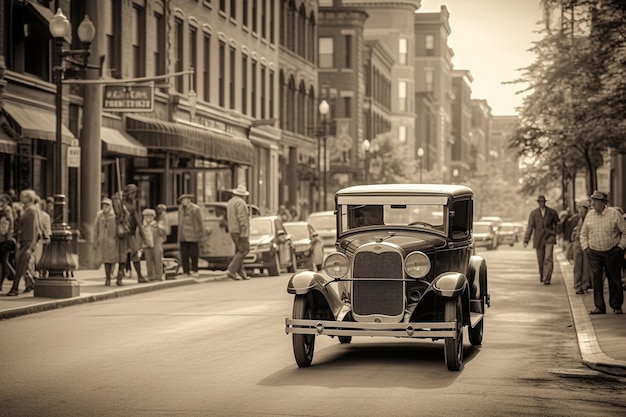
(27, 233)
(542, 222)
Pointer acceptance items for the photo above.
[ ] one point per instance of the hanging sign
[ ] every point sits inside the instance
(73, 154)
(128, 98)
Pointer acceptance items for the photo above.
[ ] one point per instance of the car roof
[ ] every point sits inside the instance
(452, 190)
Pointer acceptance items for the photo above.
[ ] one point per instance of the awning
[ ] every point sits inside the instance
(46, 15)
(7, 145)
(35, 123)
(115, 141)
(203, 143)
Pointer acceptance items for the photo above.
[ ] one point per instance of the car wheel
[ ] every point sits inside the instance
(293, 266)
(303, 344)
(345, 339)
(476, 333)
(274, 269)
(453, 347)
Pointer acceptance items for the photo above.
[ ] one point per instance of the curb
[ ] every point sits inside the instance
(590, 350)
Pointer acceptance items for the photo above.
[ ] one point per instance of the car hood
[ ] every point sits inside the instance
(408, 241)
(259, 240)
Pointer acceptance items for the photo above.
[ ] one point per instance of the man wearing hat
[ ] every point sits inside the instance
(603, 238)
(582, 273)
(128, 215)
(239, 227)
(542, 222)
(105, 241)
(190, 230)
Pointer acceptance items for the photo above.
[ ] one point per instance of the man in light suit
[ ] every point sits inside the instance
(542, 222)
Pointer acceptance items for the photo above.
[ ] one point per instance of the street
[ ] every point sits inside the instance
(220, 349)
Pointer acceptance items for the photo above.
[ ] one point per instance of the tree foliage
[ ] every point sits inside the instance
(576, 98)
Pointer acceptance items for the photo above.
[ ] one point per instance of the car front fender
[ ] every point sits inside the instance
(309, 282)
(449, 284)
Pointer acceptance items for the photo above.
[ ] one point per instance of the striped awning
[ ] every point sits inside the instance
(35, 123)
(115, 141)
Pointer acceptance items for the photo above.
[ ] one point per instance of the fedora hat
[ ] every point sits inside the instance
(541, 198)
(599, 195)
(189, 196)
(241, 190)
(130, 188)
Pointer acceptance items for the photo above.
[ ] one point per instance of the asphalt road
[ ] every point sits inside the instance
(219, 349)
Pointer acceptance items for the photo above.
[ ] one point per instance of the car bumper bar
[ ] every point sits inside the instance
(433, 330)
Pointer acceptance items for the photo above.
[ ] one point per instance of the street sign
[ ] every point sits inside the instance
(73, 156)
(128, 98)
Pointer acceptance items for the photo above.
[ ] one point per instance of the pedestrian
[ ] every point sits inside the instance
(238, 216)
(603, 239)
(7, 248)
(582, 273)
(6, 208)
(128, 215)
(293, 212)
(50, 206)
(284, 214)
(27, 231)
(105, 241)
(190, 232)
(44, 237)
(153, 234)
(542, 223)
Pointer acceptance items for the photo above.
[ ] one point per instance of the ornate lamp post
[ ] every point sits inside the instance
(324, 108)
(420, 155)
(57, 260)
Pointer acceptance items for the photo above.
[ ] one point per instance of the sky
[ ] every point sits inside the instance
(491, 38)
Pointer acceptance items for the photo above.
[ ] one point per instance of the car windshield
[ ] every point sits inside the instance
(325, 222)
(422, 216)
(297, 231)
(260, 227)
(482, 228)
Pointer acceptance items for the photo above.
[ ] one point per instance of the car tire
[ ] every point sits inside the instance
(303, 344)
(476, 333)
(274, 268)
(293, 266)
(453, 347)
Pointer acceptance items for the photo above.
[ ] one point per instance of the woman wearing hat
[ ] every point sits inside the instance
(106, 242)
(542, 222)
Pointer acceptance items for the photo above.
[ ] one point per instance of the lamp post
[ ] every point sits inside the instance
(455, 174)
(366, 150)
(420, 155)
(324, 108)
(57, 260)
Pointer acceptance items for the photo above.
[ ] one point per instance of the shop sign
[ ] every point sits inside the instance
(73, 154)
(128, 98)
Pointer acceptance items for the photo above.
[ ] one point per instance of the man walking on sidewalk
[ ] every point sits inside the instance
(542, 222)
(603, 238)
(239, 229)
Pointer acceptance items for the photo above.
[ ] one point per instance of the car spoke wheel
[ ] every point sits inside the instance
(293, 266)
(453, 347)
(274, 268)
(303, 344)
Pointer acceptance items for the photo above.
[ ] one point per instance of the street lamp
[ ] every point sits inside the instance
(369, 149)
(455, 174)
(420, 154)
(57, 259)
(324, 108)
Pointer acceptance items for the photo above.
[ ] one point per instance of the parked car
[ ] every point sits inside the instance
(485, 235)
(325, 223)
(271, 247)
(309, 247)
(405, 266)
(508, 234)
(216, 247)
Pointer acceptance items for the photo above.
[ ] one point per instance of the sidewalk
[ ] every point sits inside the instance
(92, 289)
(601, 338)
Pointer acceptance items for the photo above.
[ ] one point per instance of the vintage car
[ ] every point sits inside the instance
(271, 247)
(309, 249)
(326, 227)
(216, 247)
(508, 233)
(405, 266)
(486, 235)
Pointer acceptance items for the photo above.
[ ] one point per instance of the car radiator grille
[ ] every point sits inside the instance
(377, 297)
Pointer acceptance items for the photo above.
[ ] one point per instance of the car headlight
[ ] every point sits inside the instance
(417, 265)
(336, 265)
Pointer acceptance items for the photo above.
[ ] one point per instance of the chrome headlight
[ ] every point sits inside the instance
(417, 265)
(336, 265)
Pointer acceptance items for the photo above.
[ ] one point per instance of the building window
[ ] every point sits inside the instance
(138, 42)
(193, 56)
(233, 9)
(429, 80)
(402, 134)
(231, 80)
(244, 83)
(179, 42)
(430, 45)
(253, 73)
(159, 44)
(271, 100)
(326, 52)
(263, 19)
(402, 96)
(223, 6)
(272, 22)
(347, 107)
(244, 13)
(348, 62)
(255, 16)
(206, 77)
(222, 74)
(112, 21)
(263, 91)
(403, 50)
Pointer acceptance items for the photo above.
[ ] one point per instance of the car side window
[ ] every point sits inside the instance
(459, 219)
